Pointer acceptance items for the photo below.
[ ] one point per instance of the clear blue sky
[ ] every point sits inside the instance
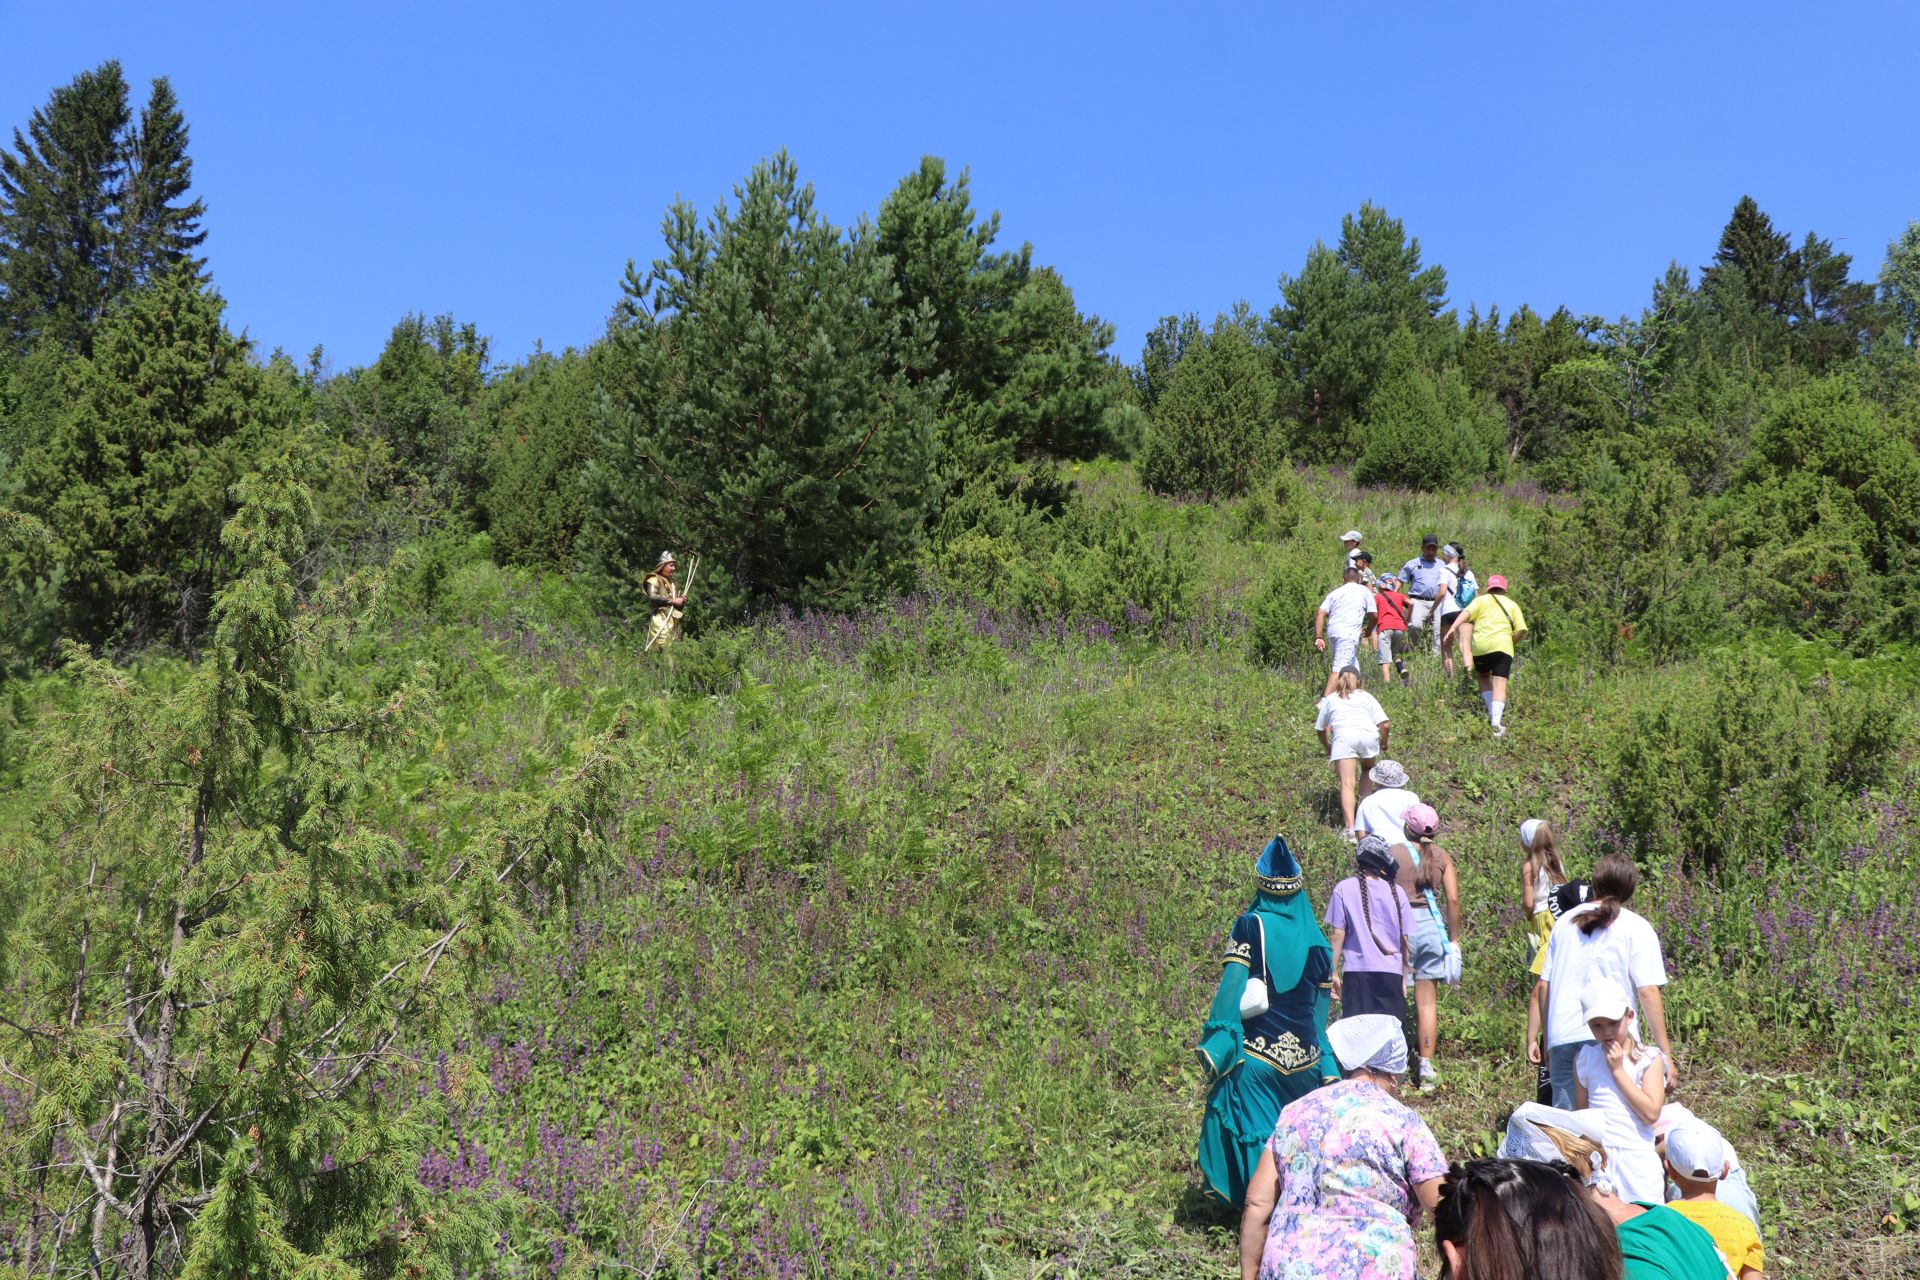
(502, 162)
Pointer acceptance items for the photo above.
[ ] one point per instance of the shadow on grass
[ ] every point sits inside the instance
(1200, 1213)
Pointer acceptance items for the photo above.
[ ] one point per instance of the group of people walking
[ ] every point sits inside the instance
(1436, 593)
(1306, 1129)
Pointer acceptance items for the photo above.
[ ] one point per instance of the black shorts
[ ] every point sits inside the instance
(1494, 664)
(1447, 621)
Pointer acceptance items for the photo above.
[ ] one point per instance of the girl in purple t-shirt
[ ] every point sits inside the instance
(1367, 928)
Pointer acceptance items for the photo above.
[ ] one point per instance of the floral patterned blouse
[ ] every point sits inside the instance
(1348, 1157)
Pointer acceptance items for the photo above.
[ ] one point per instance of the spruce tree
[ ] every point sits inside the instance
(91, 208)
(59, 189)
(772, 418)
(156, 231)
(1761, 257)
(1834, 315)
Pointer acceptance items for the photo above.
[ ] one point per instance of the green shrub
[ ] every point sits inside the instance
(1720, 765)
(1280, 618)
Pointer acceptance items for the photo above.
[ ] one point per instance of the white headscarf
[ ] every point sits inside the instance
(1528, 830)
(1374, 1041)
(1526, 1139)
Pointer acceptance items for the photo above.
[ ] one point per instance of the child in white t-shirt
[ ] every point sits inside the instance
(1625, 1084)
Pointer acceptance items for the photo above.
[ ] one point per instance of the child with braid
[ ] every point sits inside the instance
(1367, 928)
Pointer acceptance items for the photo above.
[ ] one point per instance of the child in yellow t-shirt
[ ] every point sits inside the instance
(1696, 1159)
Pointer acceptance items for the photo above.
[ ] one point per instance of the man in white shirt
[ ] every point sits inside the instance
(1348, 612)
(1382, 812)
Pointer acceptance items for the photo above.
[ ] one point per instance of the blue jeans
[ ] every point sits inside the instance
(1560, 1070)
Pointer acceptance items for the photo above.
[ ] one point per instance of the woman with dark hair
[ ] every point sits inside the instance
(1600, 938)
(1265, 1042)
(1521, 1220)
(1367, 928)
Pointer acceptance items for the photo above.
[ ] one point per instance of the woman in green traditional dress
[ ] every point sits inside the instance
(1258, 1059)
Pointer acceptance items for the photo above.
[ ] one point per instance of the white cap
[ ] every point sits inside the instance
(1351, 535)
(1375, 1041)
(1604, 998)
(1697, 1151)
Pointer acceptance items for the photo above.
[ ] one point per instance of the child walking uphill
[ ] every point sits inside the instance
(1367, 928)
(1391, 629)
(1622, 1080)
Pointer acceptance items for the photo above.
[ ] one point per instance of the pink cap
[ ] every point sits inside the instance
(1496, 583)
(1420, 820)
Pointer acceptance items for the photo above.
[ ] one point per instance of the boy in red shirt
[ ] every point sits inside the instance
(1391, 631)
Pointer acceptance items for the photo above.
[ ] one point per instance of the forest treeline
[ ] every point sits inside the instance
(832, 414)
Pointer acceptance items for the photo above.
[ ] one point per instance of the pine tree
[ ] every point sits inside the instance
(234, 980)
(1330, 334)
(772, 418)
(1026, 373)
(1167, 342)
(1834, 315)
(90, 208)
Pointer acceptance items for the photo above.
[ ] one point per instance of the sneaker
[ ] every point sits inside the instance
(1350, 836)
(1499, 731)
(1429, 1078)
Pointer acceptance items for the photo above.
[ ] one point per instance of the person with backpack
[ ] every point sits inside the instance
(1490, 626)
(1434, 947)
(1462, 587)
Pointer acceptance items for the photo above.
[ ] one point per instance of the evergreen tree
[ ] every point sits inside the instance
(1330, 334)
(1900, 282)
(59, 187)
(1025, 373)
(1834, 315)
(1755, 262)
(234, 981)
(533, 500)
(772, 418)
(1215, 426)
(90, 208)
(156, 231)
(1411, 438)
(133, 480)
(1166, 343)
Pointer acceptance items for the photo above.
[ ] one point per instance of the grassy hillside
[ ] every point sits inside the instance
(917, 915)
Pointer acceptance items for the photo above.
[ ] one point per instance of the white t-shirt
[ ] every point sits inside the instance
(1627, 951)
(1630, 1152)
(1358, 715)
(1347, 607)
(1380, 813)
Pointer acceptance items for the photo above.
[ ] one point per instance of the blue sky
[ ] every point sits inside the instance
(502, 162)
